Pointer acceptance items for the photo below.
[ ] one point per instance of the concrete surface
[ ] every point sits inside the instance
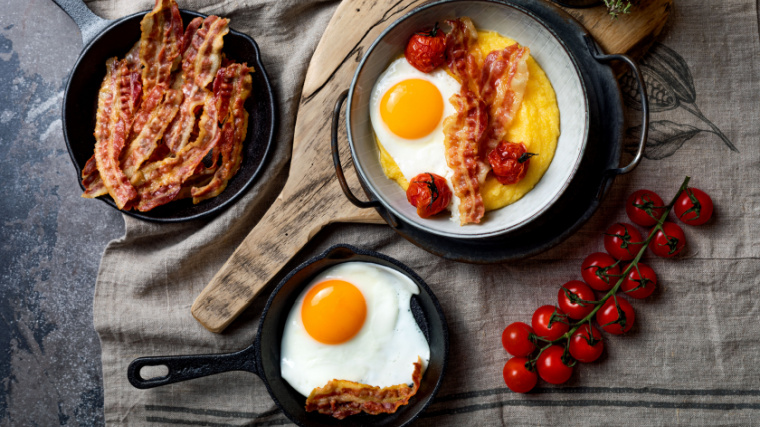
(50, 370)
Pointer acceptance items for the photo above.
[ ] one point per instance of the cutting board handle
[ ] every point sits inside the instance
(285, 228)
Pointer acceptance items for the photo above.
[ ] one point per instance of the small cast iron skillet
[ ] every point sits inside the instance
(263, 356)
(104, 39)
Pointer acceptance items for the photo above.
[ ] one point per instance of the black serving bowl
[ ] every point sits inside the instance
(105, 39)
(263, 356)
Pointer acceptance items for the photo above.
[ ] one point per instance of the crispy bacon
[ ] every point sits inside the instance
(462, 56)
(341, 398)
(160, 43)
(91, 181)
(232, 87)
(117, 102)
(200, 63)
(503, 81)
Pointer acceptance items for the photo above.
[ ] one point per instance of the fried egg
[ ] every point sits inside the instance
(353, 322)
(407, 108)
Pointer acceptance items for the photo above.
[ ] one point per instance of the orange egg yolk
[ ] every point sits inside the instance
(412, 108)
(333, 311)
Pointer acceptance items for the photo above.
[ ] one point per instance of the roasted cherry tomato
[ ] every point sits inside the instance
(610, 318)
(426, 50)
(429, 193)
(509, 162)
(516, 339)
(549, 322)
(584, 346)
(518, 377)
(551, 367)
(622, 241)
(693, 207)
(569, 297)
(644, 208)
(640, 282)
(600, 271)
(669, 241)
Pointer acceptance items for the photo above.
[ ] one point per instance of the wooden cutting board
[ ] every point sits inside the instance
(312, 197)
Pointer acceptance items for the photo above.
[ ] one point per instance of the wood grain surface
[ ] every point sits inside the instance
(310, 201)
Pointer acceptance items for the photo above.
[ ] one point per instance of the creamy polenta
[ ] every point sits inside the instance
(536, 125)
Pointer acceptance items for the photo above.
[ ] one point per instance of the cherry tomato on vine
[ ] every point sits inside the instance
(429, 193)
(644, 208)
(516, 339)
(693, 207)
(426, 50)
(542, 318)
(622, 241)
(669, 241)
(551, 367)
(518, 377)
(609, 313)
(600, 271)
(509, 162)
(568, 297)
(584, 346)
(640, 282)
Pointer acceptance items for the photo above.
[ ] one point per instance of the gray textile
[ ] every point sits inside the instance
(691, 358)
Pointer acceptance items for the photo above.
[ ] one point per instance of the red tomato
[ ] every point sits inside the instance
(509, 162)
(551, 367)
(516, 339)
(669, 241)
(600, 271)
(609, 313)
(644, 208)
(542, 318)
(693, 207)
(585, 347)
(429, 193)
(426, 50)
(518, 377)
(640, 281)
(622, 241)
(576, 290)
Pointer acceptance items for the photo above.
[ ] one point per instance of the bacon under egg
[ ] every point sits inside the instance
(155, 124)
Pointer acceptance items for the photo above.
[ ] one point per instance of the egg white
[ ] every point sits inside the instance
(426, 154)
(381, 354)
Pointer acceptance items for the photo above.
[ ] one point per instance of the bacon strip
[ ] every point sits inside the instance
(117, 102)
(462, 55)
(160, 43)
(341, 398)
(200, 63)
(232, 87)
(503, 81)
(91, 181)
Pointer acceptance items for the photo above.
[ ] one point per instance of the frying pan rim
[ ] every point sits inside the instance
(269, 93)
(372, 254)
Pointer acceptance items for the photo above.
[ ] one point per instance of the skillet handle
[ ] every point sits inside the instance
(183, 368)
(389, 218)
(610, 173)
(89, 23)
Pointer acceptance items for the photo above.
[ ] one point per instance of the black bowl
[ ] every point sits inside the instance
(80, 106)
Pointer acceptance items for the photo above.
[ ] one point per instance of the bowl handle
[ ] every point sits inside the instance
(89, 23)
(644, 104)
(183, 368)
(389, 218)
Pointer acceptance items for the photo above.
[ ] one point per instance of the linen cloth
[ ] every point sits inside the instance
(691, 358)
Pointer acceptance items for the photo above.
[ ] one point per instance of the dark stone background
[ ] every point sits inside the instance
(52, 240)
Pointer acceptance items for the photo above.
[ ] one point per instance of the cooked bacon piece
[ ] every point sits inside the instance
(160, 43)
(200, 63)
(462, 56)
(463, 133)
(503, 81)
(117, 102)
(160, 182)
(190, 31)
(91, 181)
(341, 398)
(232, 87)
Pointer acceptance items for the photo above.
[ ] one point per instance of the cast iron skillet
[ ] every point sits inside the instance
(596, 173)
(263, 356)
(104, 39)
